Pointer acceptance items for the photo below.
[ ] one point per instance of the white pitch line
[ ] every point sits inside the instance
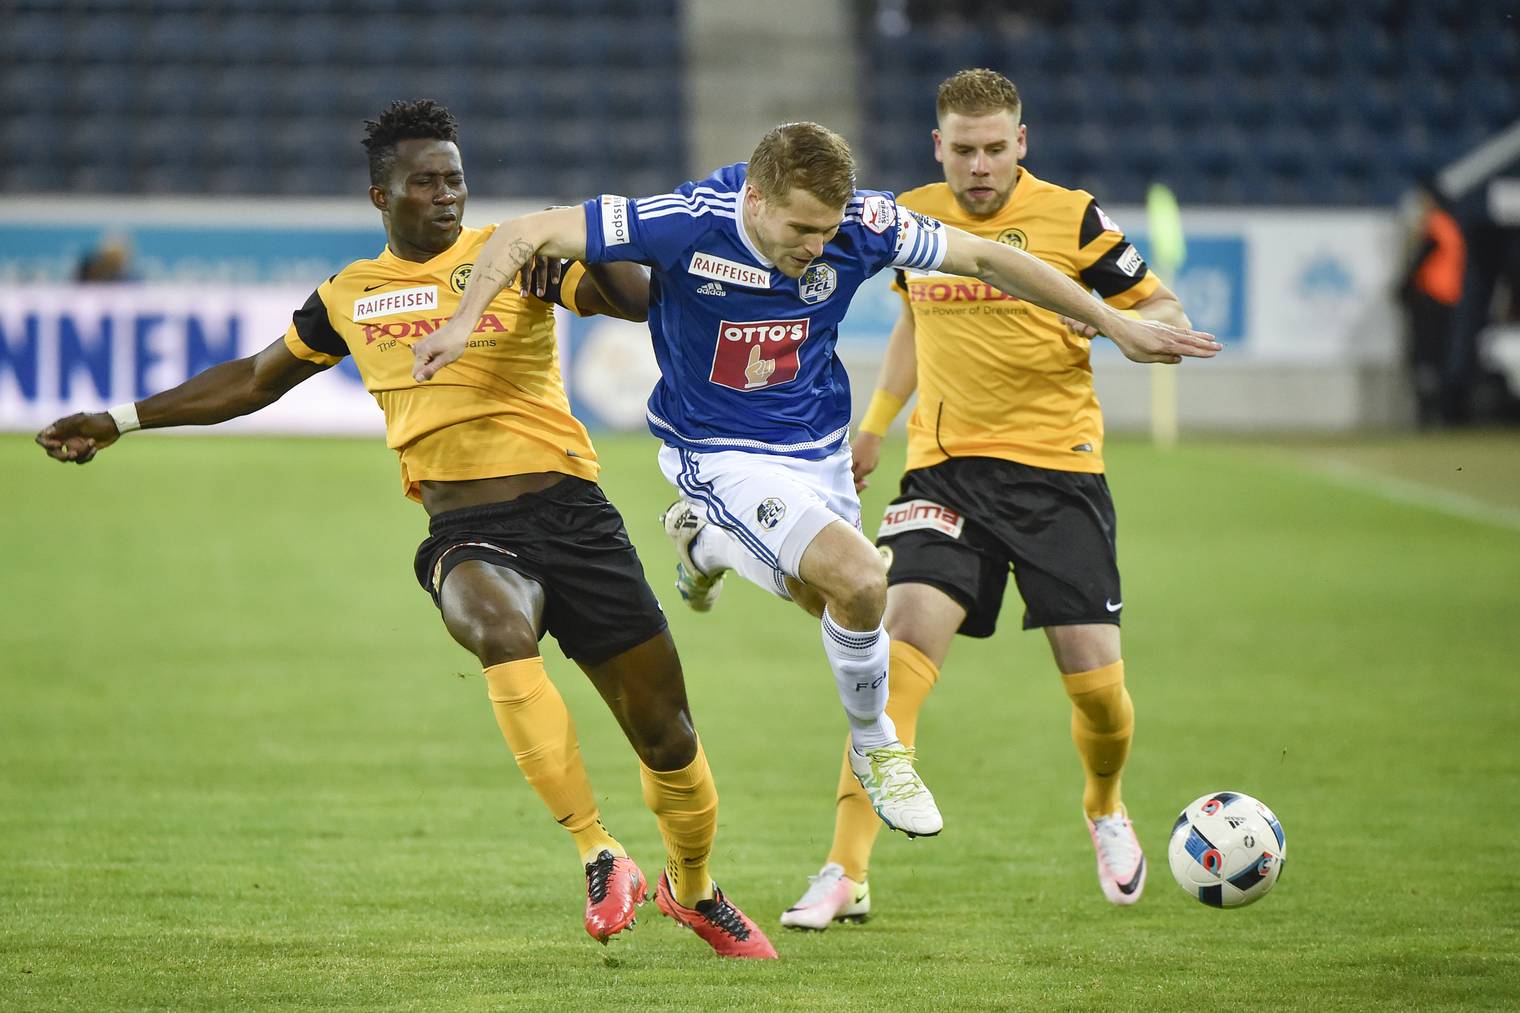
(1418, 494)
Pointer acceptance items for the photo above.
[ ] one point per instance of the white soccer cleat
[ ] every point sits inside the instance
(831, 897)
(1121, 863)
(897, 793)
(697, 589)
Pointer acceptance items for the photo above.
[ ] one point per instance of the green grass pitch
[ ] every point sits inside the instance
(242, 765)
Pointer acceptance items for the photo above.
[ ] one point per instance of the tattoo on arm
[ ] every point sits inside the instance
(519, 253)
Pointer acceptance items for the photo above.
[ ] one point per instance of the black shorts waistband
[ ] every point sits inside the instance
(567, 488)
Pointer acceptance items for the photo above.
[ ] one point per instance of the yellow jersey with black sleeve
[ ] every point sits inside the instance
(999, 377)
(499, 410)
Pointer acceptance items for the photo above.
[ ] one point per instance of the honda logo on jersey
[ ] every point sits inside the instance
(751, 354)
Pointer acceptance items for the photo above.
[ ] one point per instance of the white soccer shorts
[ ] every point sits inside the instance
(773, 505)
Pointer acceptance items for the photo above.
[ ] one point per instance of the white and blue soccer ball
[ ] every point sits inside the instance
(1227, 849)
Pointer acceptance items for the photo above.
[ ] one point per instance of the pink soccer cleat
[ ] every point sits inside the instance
(1121, 863)
(831, 897)
(721, 925)
(614, 889)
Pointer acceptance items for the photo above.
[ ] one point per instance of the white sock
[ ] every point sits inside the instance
(715, 550)
(859, 660)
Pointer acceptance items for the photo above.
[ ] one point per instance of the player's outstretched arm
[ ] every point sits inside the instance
(558, 232)
(1162, 305)
(223, 392)
(894, 385)
(1025, 277)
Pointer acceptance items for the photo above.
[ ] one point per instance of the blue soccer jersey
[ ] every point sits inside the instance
(746, 354)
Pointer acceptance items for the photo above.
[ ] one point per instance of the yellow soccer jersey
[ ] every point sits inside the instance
(499, 410)
(998, 377)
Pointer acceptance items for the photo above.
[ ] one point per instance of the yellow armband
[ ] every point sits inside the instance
(884, 408)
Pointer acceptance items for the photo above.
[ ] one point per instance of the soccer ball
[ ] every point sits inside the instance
(1227, 849)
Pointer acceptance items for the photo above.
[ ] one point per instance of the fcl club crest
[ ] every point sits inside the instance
(769, 513)
(817, 283)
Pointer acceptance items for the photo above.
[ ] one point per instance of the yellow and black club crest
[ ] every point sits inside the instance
(461, 277)
(1014, 238)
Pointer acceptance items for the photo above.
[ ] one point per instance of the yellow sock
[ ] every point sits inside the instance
(685, 803)
(538, 729)
(910, 677)
(1102, 725)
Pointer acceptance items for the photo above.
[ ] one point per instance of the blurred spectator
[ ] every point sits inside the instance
(1430, 293)
(111, 261)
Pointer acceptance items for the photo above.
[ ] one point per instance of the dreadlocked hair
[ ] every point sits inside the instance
(404, 121)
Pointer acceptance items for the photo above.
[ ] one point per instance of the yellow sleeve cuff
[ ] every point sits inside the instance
(884, 408)
(301, 350)
(569, 281)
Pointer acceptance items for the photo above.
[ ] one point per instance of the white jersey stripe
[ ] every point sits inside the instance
(689, 212)
(658, 204)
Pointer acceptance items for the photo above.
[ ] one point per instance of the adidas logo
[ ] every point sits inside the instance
(1235, 822)
(711, 288)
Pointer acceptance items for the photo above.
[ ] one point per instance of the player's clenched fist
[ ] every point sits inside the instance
(439, 349)
(78, 437)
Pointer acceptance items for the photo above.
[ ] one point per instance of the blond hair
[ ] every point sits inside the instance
(978, 92)
(803, 156)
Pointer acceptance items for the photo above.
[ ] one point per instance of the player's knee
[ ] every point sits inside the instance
(666, 744)
(495, 637)
(861, 597)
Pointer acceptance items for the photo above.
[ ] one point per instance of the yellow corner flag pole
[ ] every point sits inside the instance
(1168, 252)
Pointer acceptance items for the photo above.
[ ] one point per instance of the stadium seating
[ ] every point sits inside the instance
(1229, 101)
(268, 96)
(1233, 101)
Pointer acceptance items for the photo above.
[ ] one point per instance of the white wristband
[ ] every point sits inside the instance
(125, 417)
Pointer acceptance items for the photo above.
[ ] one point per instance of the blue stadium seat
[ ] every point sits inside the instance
(240, 90)
(245, 38)
(35, 39)
(172, 89)
(182, 39)
(105, 37)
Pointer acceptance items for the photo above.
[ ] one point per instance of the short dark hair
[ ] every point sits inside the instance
(404, 121)
(806, 156)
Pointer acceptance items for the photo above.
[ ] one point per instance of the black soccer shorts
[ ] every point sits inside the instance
(961, 524)
(569, 539)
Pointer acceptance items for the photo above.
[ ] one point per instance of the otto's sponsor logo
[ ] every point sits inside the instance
(615, 230)
(421, 328)
(878, 213)
(461, 277)
(757, 353)
(920, 515)
(769, 513)
(817, 283)
(945, 289)
(706, 265)
(403, 300)
(1130, 262)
